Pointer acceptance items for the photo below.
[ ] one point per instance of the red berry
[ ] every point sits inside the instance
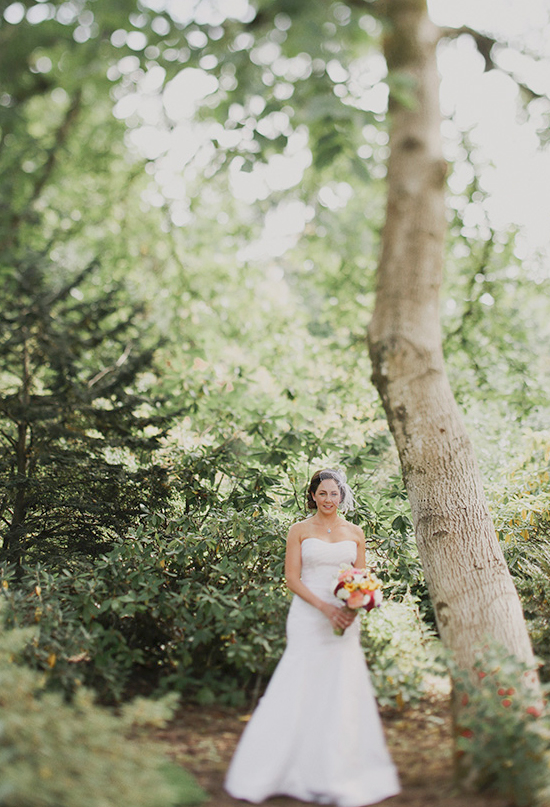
(511, 691)
(502, 692)
(468, 733)
(532, 710)
(465, 700)
(506, 702)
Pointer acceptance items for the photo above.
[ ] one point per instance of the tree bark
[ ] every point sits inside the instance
(471, 588)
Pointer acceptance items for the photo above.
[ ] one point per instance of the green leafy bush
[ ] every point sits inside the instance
(202, 612)
(56, 754)
(401, 651)
(195, 600)
(532, 579)
(503, 730)
(520, 504)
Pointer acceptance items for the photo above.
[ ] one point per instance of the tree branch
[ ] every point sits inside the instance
(119, 362)
(485, 45)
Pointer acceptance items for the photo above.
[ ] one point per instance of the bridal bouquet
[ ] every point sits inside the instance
(357, 588)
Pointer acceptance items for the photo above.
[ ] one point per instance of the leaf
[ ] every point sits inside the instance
(187, 791)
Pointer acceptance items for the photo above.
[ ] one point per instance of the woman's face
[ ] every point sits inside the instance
(327, 496)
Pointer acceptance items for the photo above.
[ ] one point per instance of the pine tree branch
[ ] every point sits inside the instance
(60, 139)
(65, 290)
(8, 438)
(118, 363)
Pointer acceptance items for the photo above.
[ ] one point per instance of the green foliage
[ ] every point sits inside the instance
(401, 652)
(520, 498)
(384, 514)
(188, 792)
(491, 344)
(194, 601)
(59, 754)
(78, 421)
(503, 731)
(520, 505)
(533, 583)
(199, 612)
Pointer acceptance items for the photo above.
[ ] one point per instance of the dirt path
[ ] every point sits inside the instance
(203, 739)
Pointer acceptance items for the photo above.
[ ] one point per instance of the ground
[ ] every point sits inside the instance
(202, 740)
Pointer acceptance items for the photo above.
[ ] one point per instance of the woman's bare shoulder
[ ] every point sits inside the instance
(298, 529)
(356, 531)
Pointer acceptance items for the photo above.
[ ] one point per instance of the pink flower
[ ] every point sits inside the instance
(355, 599)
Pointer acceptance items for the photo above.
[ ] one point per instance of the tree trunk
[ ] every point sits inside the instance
(471, 588)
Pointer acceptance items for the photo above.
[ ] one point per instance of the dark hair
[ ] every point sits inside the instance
(317, 478)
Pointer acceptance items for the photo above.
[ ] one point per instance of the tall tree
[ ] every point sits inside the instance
(78, 421)
(471, 588)
(76, 435)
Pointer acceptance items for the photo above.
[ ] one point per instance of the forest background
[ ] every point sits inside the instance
(192, 196)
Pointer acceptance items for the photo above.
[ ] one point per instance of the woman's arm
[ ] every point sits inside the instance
(338, 617)
(361, 559)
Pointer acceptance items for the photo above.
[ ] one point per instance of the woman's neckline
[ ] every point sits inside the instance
(323, 541)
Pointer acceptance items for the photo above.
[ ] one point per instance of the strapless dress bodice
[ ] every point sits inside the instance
(321, 561)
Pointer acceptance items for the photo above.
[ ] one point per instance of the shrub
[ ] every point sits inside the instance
(55, 754)
(502, 729)
(193, 603)
(520, 505)
(201, 611)
(401, 652)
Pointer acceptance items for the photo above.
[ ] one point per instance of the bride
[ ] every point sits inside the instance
(316, 734)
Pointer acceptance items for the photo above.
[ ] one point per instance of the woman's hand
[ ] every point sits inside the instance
(340, 618)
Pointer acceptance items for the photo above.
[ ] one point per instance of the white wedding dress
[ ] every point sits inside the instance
(316, 734)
